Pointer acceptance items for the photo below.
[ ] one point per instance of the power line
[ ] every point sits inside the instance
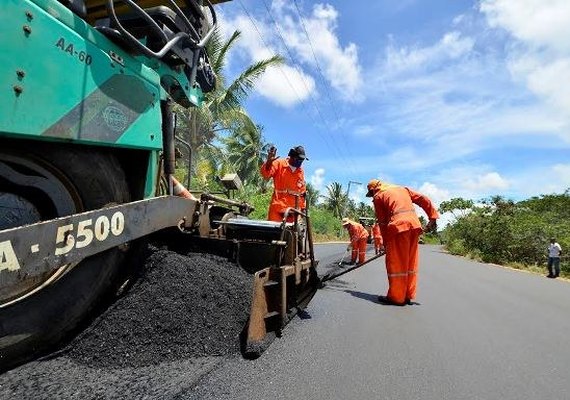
(319, 70)
(339, 152)
(278, 66)
(268, 47)
(316, 60)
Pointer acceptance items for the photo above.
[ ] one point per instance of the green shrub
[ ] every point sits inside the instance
(325, 224)
(260, 202)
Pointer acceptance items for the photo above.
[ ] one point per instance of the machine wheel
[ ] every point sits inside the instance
(42, 184)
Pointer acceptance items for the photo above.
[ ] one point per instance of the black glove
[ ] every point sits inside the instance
(431, 226)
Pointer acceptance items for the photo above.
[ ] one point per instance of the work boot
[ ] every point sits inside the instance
(386, 301)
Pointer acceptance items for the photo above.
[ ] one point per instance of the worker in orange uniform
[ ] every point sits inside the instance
(288, 182)
(377, 238)
(358, 238)
(401, 229)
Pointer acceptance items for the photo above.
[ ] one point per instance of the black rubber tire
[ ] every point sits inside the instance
(35, 325)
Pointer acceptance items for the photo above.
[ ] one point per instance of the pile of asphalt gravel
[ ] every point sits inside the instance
(183, 306)
(176, 323)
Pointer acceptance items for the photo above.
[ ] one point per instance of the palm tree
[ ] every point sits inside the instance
(246, 148)
(312, 195)
(364, 210)
(222, 109)
(336, 199)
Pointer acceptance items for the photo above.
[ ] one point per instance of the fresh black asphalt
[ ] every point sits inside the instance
(478, 332)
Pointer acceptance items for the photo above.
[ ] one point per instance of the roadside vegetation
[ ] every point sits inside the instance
(224, 139)
(515, 234)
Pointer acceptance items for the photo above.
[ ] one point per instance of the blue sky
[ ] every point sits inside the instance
(453, 98)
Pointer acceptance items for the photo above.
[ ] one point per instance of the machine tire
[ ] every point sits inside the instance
(36, 324)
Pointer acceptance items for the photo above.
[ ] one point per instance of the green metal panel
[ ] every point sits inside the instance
(151, 175)
(62, 86)
(64, 80)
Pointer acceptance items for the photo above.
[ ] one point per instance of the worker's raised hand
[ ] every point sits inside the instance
(271, 155)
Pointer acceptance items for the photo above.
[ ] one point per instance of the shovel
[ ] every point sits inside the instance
(343, 257)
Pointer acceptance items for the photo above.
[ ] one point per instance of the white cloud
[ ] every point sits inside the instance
(284, 33)
(486, 182)
(458, 97)
(285, 86)
(536, 22)
(435, 194)
(547, 79)
(458, 19)
(540, 52)
(318, 178)
(451, 46)
(337, 63)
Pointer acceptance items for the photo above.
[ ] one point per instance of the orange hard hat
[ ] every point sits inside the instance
(372, 186)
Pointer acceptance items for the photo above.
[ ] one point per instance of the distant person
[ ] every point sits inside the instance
(401, 229)
(288, 182)
(554, 253)
(377, 238)
(358, 240)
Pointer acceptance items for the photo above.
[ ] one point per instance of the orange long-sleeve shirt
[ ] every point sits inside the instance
(394, 207)
(357, 231)
(376, 231)
(287, 186)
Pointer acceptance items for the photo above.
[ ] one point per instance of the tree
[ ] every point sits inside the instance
(246, 150)
(336, 199)
(456, 204)
(312, 195)
(222, 109)
(364, 210)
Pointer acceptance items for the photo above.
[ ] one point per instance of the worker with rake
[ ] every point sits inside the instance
(401, 229)
(358, 238)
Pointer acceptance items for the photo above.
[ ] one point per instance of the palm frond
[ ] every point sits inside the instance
(242, 86)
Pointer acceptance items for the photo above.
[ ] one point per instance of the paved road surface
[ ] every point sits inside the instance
(480, 332)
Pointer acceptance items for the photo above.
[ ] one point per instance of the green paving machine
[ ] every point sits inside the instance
(87, 135)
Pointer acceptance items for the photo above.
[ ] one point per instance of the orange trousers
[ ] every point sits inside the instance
(378, 242)
(402, 265)
(358, 250)
(276, 214)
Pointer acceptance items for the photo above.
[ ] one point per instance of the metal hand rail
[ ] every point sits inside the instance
(195, 43)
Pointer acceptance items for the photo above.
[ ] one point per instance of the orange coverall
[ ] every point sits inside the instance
(287, 187)
(358, 238)
(377, 236)
(401, 228)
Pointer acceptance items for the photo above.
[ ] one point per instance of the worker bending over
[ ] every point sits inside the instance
(358, 238)
(377, 239)
(288, 182)
(401, 229)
